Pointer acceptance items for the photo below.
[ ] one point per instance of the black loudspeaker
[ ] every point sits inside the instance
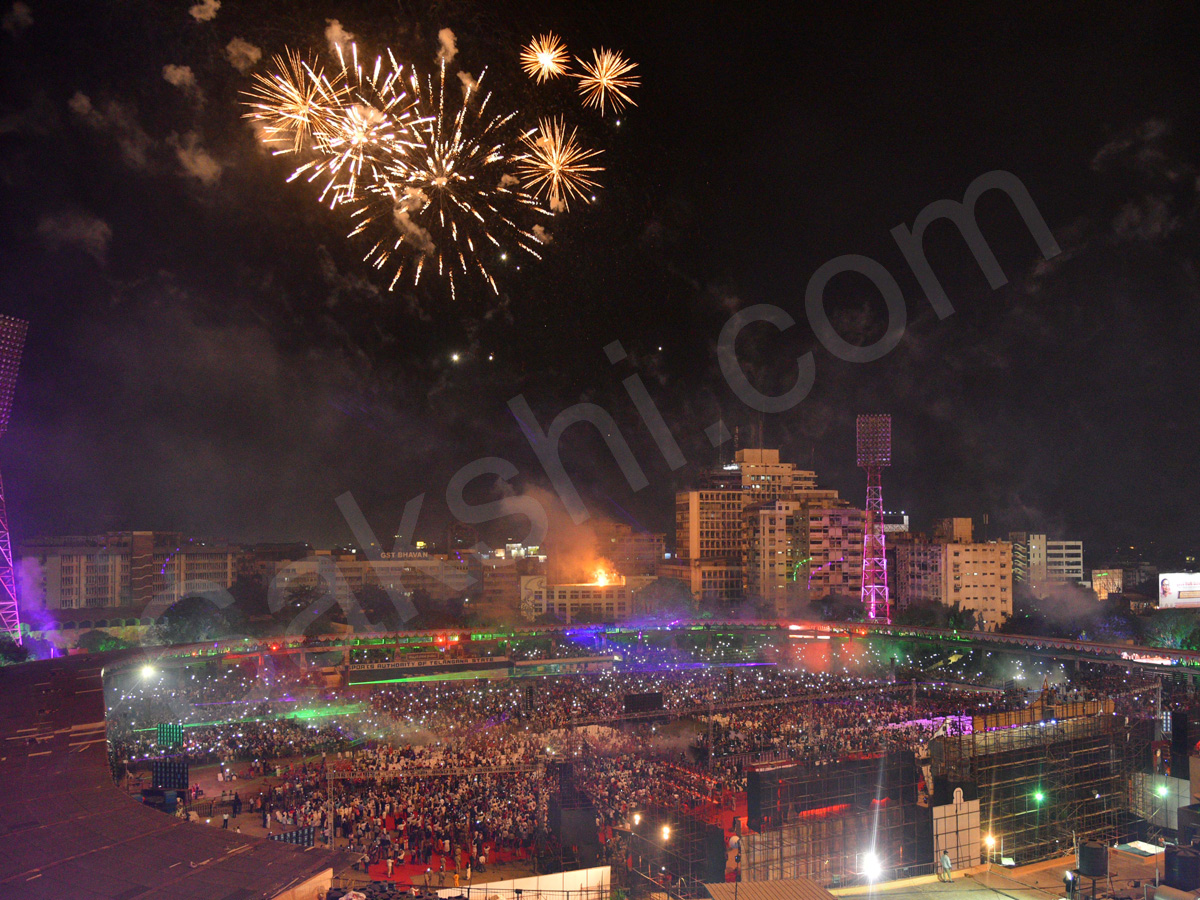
(651, 701)
(577, 828)
(1189, 825)
(1093, 860)
(1179, 732)
(1180, 745)
(529, 698)
(714, 854)
(1182, 870)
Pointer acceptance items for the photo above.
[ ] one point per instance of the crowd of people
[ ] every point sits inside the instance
(450, 774)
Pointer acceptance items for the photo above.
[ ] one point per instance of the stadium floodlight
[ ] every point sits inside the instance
(874, 455)
(12, 343)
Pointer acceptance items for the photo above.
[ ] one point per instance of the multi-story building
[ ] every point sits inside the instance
(497, 598)
(775, 544)
(917, 576)
(764, 478)
(835, 543)
(796, 549)
(979, 577)
(439, 577)
(630, 552)
(125, 570)
(955, 570)
(1064, 562)
(1039, 563)
(954, 529)
(611, 602)
(708, 543)
(1107, 581)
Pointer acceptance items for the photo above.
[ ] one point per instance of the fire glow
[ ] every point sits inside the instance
(603, 578)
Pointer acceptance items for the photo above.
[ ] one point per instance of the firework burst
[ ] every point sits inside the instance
(545, 57)
(288, 103)
(555, 166)
(453, 192)
(605, 79)
(434, 179)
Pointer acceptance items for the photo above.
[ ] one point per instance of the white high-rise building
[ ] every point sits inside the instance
(1039, 563)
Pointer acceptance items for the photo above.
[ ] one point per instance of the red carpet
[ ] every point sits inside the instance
(415, 874)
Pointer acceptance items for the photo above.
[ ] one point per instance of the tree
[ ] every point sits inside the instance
(936, 615)
(11, 652)
(97, 641)
(192, 619)
(1173, 629)
(838, 608)
(666, 598)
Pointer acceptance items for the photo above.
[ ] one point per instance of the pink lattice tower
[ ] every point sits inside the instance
(874, 454)
(12, 343)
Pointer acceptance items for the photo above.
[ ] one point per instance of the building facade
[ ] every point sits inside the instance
(1039, 564)
(764, 478)
(954, 570)
(835, 543)
(127, 570)
(979, 577)
(1107, 581)
(917, 578)
(630, 552)
(613, 602)
(708, 543)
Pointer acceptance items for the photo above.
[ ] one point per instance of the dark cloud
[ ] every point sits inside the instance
(76, 229)
(17, 19)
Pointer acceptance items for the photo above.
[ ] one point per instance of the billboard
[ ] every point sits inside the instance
(1178, 590)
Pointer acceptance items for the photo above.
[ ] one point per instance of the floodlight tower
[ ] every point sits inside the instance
(874, 454)
(12, 342)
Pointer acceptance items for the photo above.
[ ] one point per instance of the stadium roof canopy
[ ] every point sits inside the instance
(68, 831)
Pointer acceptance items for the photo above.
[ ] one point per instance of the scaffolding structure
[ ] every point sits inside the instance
(838, 824)
(673, 853)
(1045, 786)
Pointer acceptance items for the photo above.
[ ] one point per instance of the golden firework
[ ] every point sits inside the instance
(288, 102)
(451, 192)
(556, 166)
(545, 57)
(605, 79)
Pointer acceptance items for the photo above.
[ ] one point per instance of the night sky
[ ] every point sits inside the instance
(208, 353)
